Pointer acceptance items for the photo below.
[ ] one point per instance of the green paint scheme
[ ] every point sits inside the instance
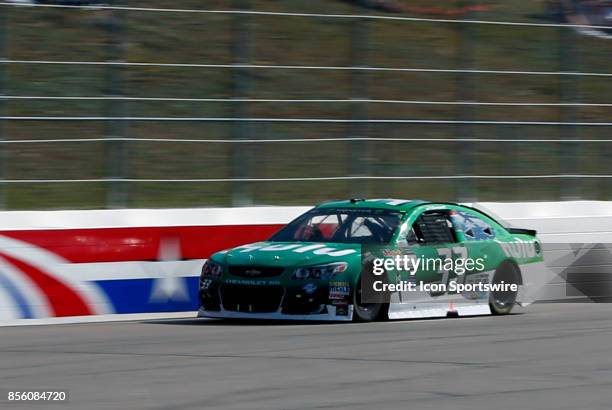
(475, 232)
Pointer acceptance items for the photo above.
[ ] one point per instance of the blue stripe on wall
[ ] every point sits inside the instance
(134, 296)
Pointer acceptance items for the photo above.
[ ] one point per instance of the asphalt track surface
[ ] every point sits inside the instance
(553, 356)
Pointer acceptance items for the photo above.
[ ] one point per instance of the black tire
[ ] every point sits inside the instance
(369, 312)
(502, 302)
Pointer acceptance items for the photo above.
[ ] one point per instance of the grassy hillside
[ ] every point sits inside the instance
(75, 35)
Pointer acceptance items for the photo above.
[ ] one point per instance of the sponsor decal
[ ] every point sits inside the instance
(317, 249)
(389, 253)
(339, 290)
(520, 249)
(253, 282)
(309, 288)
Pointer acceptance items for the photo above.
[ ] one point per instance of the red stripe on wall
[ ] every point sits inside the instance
(141, 244)
(63, 300)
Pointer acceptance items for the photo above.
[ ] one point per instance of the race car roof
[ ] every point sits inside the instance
(387, 203)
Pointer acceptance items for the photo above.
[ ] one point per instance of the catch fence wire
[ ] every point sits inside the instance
(118, 193)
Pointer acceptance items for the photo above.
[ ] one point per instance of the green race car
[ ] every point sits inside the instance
(375, 259)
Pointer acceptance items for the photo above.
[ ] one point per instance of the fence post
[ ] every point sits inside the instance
(568, 162)
(117, 191)
(240, 155)
(359, 165)
(3, 91)
(464, 165)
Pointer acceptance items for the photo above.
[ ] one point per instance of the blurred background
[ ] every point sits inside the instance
(235, 102)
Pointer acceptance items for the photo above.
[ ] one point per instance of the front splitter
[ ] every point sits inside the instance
(329, 316)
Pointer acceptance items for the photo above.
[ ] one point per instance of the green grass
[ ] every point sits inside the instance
(47, 34)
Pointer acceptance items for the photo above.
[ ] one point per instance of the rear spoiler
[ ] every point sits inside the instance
(522, 231)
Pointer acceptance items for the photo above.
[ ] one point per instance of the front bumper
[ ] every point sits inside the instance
(272, 300)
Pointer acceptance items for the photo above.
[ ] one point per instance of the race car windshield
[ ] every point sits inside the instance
(363, 226)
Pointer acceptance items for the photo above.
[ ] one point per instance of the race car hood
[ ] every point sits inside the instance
(290, 254)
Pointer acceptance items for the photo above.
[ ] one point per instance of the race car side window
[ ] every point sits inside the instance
(432, 227)
(473, 226)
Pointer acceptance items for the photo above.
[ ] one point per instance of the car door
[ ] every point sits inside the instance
(433, 237)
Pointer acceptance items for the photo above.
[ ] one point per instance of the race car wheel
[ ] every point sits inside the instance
(502, 302)
(372, 309)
